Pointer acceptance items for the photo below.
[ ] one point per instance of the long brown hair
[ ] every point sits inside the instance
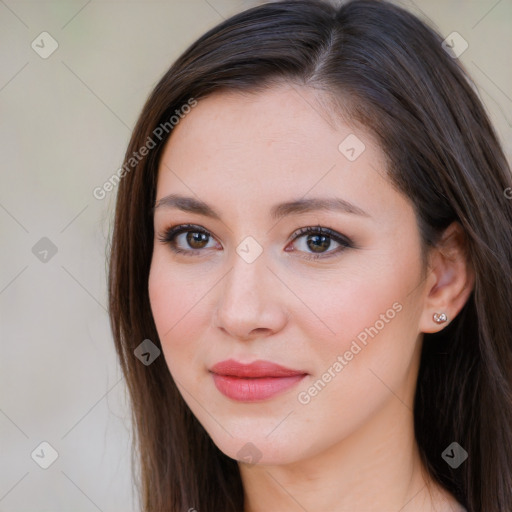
(443, 154)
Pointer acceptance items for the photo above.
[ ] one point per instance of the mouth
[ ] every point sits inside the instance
(253, 382)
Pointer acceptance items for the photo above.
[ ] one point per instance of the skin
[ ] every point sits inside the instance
(352, 447)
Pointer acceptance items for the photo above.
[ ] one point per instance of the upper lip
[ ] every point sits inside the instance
(255, 369)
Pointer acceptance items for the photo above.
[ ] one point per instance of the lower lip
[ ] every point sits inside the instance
(252, 390)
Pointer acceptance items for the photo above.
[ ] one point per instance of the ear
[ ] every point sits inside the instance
(450, 279)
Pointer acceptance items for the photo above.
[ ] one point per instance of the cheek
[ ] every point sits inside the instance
(370, 354)
(374, 313)
(178, 302)
(347, 303)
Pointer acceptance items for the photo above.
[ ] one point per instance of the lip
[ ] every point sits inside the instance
(259, 380)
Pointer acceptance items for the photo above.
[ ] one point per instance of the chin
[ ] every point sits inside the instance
(258, 449)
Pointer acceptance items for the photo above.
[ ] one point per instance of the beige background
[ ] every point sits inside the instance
(64, 125)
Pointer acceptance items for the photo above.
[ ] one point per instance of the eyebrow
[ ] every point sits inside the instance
(193, 205)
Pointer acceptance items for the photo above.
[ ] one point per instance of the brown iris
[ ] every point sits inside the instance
(195, 239)
(320, 242)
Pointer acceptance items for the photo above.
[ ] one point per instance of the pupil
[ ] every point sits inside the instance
(194, 238)
(324, 240)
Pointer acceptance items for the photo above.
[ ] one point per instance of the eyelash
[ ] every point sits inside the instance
(171, 233)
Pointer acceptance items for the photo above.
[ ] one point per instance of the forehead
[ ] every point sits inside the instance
(283, 124)
(280, 142)
(284, 113)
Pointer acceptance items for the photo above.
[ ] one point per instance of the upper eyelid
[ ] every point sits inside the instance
(184, 228)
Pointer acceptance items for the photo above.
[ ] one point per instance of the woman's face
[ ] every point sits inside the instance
(245, 286)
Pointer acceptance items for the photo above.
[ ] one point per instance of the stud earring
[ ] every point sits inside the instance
(440, 318)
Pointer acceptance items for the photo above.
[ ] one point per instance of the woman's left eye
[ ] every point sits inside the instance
(317, 239)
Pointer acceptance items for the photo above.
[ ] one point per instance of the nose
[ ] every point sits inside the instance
(250, 302)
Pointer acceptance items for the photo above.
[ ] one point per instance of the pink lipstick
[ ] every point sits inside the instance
(253, 382)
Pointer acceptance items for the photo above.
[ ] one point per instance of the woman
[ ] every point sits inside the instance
(312, 230)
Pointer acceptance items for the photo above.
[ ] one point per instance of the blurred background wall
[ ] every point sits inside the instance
(73, 78)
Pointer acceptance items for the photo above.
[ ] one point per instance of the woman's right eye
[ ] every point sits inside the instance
(186, 239)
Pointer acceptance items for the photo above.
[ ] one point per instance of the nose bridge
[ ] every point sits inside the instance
(246, 280)
(246, 302)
